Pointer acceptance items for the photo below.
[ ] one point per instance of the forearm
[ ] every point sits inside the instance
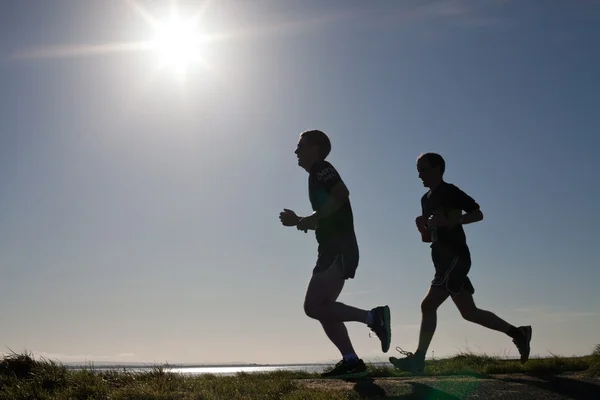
(473, 216)
(312, 221)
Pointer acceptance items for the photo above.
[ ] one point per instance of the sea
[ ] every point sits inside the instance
(221, 370)
(232, 370)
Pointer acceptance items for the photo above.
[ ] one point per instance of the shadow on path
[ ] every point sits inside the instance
(367, 388)
(573, 388)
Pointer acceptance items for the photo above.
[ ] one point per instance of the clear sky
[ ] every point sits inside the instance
(139, 206)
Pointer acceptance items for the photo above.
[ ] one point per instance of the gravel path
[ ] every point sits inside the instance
(490, 387)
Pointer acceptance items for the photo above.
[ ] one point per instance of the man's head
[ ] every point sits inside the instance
(313, 146)
(431, 168)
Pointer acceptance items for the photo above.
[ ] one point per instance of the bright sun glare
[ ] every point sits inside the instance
(177, 43)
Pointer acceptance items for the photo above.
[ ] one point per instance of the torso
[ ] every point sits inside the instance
(339, 225)
(443, 199)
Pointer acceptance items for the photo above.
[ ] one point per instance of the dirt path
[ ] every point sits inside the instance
(490, 387)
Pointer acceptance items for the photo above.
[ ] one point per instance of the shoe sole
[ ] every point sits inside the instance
(387, 320)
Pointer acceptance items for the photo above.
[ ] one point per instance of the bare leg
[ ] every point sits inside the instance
(336, 331)
(338, 334)
(521, 336)
(432, 301)
(320, 303)
(415, 363)
(466, 305)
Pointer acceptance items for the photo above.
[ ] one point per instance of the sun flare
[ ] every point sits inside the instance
(177, 43)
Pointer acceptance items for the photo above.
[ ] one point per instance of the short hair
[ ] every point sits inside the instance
(435, 160)
(318, 138)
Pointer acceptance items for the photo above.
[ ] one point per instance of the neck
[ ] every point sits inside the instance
(309, 165)
(433, 186)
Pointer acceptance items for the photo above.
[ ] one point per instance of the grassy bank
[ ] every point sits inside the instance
(23, 377)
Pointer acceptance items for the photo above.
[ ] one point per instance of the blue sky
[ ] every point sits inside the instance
(139, 207)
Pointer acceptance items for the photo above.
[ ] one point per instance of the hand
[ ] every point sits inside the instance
(439, 220)
(421, 222)
(288, 217)
(306, 223)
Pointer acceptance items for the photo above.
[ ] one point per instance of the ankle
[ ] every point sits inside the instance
(513, 332)
(369, 319)
(420, 354)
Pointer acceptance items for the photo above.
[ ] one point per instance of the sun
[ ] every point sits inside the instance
(177, 43)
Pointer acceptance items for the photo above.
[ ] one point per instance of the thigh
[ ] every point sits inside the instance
(340, 253)
(451, 271)
(434, 298)
(325, 286)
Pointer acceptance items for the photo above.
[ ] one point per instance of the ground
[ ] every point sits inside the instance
(464, 376)
(572, 386)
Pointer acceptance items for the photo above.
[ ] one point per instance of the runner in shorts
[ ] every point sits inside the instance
(337, 256)
(441, 224)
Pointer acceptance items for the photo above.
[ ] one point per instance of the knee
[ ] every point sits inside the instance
(428, 306)
(469, 314)
(311, 309)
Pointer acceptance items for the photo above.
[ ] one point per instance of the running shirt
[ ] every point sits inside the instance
(452, 201)
(321, 180)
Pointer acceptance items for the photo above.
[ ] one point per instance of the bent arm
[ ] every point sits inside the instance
(338, 195)
(472, 216)
(467, 204)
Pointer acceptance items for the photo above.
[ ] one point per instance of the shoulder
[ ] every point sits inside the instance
(460, 198)
(323, 170)
(321, 165)
(449, 188)
(445, 192)
(325, 175)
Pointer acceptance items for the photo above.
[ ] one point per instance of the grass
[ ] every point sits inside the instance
(468, 363)
(22, 377)
(595, 362)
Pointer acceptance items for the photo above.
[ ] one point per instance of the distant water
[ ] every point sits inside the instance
(231, 370)
(222, 369)
(215, 369)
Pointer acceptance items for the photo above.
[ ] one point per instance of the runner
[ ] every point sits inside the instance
(337, 258)
(441, 224)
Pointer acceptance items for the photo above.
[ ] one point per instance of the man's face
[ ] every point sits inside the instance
(306, 154)
(428, 174)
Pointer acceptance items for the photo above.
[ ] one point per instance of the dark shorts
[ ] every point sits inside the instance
(451, 271)
(339, 253)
